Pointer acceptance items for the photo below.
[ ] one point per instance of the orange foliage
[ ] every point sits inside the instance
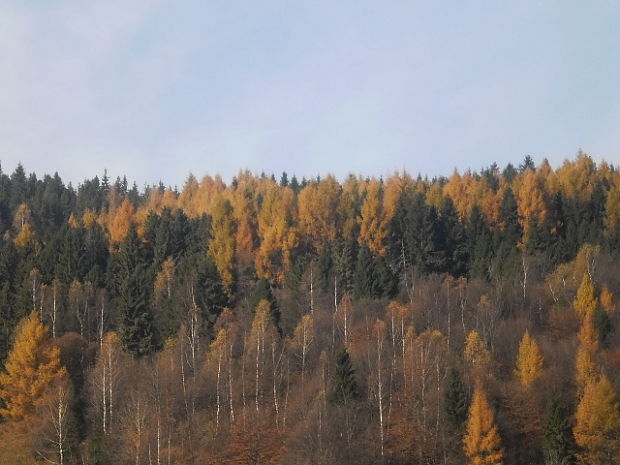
(32, 366)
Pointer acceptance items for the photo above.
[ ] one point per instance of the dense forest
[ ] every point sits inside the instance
(406, 320)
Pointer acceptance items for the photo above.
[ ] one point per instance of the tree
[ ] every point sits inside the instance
(366, 283)
(133, 284)
(597, 427)
(585, 301)
(373, 221)
(587, 368)
(456, 400)
(32, 367)
(476, 352)
(222, 243)
(262, 291)
(557, 442)
(344, 384)
(277, 234)
(529, 361)
(482, 443)
(318, 212)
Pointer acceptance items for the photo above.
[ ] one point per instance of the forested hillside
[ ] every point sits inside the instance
(468, 319)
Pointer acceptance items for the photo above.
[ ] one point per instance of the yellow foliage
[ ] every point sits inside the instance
(482, 443)
(318, 212)
(73, 221)
(121, 221)
(278, 236)
(531, 199)
(88, 218)
(25, 237)
(578, 177)
(32, 366)
(22, 216)
(607, 299)
(476, 352)
(529, 361)
(597, 428)
(164, 279)
(373, 221)
(262, 324)
(304, 333)
(587, 369)
(222, 244)
(585, 302)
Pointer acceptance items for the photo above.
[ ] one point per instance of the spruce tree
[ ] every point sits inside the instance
(479, 239)
(456, 240)
(344, 387)
(456, 400)
(557, 441)
(366, 284)
(133, 283)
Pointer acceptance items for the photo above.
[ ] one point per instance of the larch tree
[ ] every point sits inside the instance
(318, 212)
(597, 427)
(121, 221)
(531, 199)
(585, 301)
(373, 220)
(482, 443)
(476, 352)
(32, 367)
(222, 243)
(587, 370)
(607, 300)
(277, 234)
(529, 361)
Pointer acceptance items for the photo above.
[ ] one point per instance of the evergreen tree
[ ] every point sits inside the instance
(479, 240)
(133, 285)
(366, 284)
(455, 240)
(456, 400)
(557, 440)
(344, 385)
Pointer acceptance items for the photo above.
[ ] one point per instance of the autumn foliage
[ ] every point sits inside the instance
(364, 320)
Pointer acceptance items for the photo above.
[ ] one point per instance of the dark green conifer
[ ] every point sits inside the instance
(344, 385)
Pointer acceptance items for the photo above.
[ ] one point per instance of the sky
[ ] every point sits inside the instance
(157, 89)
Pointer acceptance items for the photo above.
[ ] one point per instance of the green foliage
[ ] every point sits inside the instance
(456, 400)
(132, 285)
(344, 385)
(557, 437)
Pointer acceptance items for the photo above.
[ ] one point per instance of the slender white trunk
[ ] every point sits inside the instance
(54, 310)
(217, 392)
(311, 290)
(380, 392)
(230, 384)
(110, 384)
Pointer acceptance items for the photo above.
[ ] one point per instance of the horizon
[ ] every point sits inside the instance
(227, 181)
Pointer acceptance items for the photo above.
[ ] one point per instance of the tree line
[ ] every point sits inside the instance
(398, 321)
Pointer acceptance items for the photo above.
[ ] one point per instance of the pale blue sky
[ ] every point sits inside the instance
(156, 89)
